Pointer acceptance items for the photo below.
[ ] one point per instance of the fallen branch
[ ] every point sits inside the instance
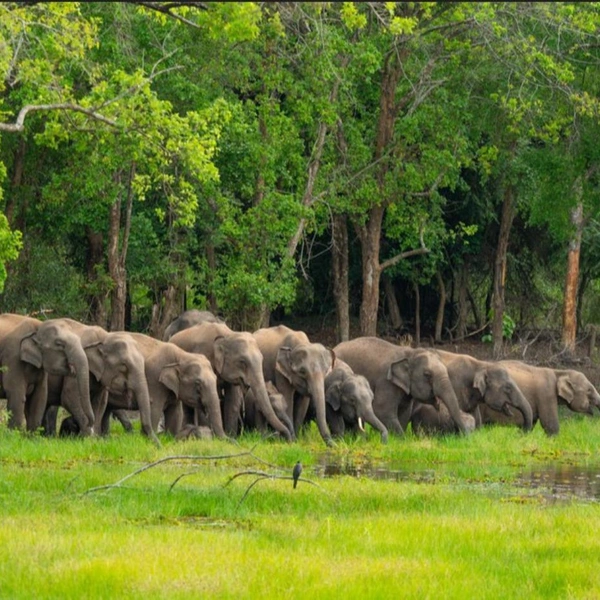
(192, 457)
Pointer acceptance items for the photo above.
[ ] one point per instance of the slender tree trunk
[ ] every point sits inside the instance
(370, 238)
(392, 303)
(117, 257)
(94, 263)
(16, 182)
(506, 221)
(463, 308)
(212, 269)
(439, 322)
(571, 281)
(339, 272)
(417, 315)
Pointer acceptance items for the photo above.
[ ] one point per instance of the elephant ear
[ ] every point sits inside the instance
(480, 382)
(219, 353)
(96, 356)
(399, 374)
(328, 360)
(283, 362)
(30, 352)
(169, 377)
(333, 395)
(564, 388)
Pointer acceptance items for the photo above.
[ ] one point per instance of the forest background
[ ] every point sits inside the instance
(428, 168)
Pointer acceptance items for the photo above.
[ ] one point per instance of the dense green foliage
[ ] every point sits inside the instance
(211, 144)
(450, 520)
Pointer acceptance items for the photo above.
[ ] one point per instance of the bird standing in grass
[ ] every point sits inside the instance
(296, 473)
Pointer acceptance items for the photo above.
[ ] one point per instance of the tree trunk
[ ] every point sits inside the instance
(463, 308)
(117, 258)
(392, 303)
(506, 220)
(370, 238)
(94, 262)
(571, 281)
(339, 269)
(439, 322)
(417, 315)
(16, 182)
(212, 269)
(164, 311)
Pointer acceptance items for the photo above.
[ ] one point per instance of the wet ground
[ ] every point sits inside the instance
(551, 483)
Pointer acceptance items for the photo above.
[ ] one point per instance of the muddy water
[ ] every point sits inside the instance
(554, 483)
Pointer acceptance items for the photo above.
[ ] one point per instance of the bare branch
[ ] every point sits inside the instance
(168, 7)
(18, 125)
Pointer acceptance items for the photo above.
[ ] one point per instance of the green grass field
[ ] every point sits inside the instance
(445, 518)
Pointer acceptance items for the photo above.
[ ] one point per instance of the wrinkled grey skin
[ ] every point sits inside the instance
(238, 363)
(544, 389)
(253, 417)
(118, 380)
(177, 378)
(188, 319)
(24, 385)
(349, 397)
(477, 383)
(298, 368)
(429, 420)
(398, 375)
(53, 347)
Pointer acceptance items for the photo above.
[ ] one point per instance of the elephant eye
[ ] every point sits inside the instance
(242, 364)
(59, 343)
(427, 373)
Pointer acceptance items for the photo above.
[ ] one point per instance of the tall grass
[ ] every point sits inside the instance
(450, 524)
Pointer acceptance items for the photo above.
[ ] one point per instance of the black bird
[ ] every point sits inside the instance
(296, 473)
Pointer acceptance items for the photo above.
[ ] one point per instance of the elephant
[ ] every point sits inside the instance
(175, 378)
(545, 388)
(253, 417)
(476, 383)
(426, 419)
(30, 349)
(398, 375)
(298, 369)
(349, 400)
(187, 319)
(238, 363)
(118, 380)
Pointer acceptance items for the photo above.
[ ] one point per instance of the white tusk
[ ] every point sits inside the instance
(360, 425)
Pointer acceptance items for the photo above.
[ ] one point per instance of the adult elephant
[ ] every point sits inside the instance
(349, 401)
(298, 368)
(238, 363)
(118, 381)
(398, 375)
(177, 378)
(28, 349)
(545, 388)
(187, 319)
(477, 383)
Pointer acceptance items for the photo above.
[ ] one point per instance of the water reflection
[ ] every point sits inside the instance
(557, 482)
(563, 482)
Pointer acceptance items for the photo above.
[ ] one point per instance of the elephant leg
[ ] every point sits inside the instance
(174, 418)
(15, 403)
(49, 420)
(300, 409)
(405, 410)
(232, 406)
(70, 401)
(35, 406)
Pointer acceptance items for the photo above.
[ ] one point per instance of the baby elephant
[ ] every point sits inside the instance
(429, 420)
(349, 400)
(254, 419)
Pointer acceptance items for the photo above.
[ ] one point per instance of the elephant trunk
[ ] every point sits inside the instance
(212, 404)
(523, 406)
(443, 390)
(316, 389)
(259, 389)
(139, 386)
(78, 363)
(371, 418)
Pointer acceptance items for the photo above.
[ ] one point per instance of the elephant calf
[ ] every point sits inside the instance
(349, 399)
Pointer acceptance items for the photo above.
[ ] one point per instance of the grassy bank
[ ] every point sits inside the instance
(444, 519)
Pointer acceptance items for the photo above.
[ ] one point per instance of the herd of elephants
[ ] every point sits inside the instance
(202, 374)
